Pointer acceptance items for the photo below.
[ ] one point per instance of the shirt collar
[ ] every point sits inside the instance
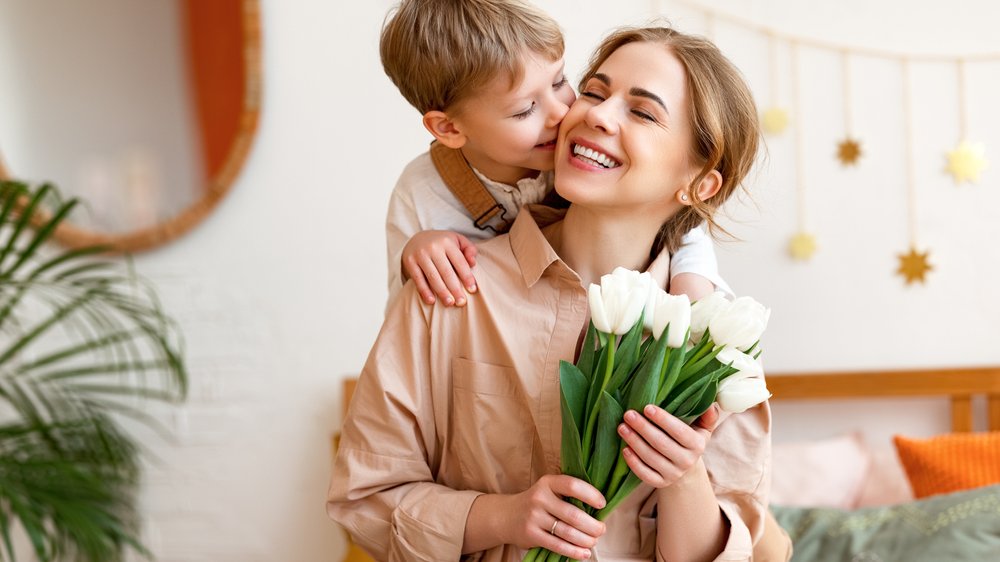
(532, 189)
(531, 249)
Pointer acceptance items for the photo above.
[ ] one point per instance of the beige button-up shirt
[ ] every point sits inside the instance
(456, 402)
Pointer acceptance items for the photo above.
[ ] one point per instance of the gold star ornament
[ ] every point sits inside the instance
(848, 151)
(774, 120)
(914, 266)
(967, 161)
(802, 246)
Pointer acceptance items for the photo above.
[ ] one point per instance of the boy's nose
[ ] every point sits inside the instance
(556, 114)
(557, 111)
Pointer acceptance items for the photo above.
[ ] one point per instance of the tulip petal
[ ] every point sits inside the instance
(597, 313)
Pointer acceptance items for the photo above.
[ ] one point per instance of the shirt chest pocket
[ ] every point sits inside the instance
(492, 429)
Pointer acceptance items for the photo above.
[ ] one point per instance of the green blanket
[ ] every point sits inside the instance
(947, 528)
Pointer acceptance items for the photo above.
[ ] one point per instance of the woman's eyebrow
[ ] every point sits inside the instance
(644, 93)
(638, 92)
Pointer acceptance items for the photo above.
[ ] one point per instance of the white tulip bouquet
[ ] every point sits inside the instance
(645, 346)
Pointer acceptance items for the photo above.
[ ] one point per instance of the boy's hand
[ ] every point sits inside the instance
(440, 263)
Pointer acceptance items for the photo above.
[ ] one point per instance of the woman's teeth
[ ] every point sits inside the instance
(594, 158)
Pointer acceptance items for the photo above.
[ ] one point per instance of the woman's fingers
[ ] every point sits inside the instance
(564, 485)
(565, 541)
(552, 522)
(575, 525)
(661, 447)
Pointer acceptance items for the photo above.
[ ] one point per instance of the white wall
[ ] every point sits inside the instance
(281, 291)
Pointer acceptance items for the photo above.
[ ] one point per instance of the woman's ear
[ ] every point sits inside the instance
(444, 129)
(708, 186)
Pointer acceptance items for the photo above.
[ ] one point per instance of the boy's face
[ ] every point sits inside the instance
(510, 133)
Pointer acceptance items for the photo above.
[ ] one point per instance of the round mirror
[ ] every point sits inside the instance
(144, 111)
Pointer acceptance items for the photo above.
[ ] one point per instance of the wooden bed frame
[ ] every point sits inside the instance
(959, 385)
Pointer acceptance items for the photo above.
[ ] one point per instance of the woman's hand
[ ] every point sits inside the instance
(540, 517)
(661, 448)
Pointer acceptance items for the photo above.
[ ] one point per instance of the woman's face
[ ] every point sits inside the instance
(626, 142)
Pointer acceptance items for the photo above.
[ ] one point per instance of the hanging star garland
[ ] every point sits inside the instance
(774, 120)
(849, 151)
(802, 246)
(967, 161)
(913, 266)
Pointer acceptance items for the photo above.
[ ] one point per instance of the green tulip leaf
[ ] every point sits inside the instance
(596, 377)
(704, 402)
(573, 386)
(675, 361)
(627, 356)
(628, 486)
(587, 352)
(646, 382)
(687, 390)
(571, 453)
(607, 445)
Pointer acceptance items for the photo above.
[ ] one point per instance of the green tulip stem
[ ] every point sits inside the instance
(532, 555)
(588, 436)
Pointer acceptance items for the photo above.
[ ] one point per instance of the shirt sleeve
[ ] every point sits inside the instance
(697, 255)
(382, 489)
(738, 460)
(401, 223)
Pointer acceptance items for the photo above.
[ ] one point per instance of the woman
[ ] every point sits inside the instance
(452, 443)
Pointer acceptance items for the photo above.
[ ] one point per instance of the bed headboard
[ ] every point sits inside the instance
(959, 385)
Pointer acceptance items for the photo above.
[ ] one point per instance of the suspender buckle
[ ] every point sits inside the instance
(482, 220)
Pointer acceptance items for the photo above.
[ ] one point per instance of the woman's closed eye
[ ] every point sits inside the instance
(643, 115)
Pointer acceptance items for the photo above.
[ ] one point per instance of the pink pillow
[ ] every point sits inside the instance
(886, 482)
(824, 473)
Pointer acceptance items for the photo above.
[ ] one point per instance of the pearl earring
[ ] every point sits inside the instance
(684, 197)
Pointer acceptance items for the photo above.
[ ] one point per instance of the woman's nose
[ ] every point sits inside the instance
(601, 117)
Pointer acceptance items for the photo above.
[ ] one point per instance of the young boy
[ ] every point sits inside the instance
(488, 77)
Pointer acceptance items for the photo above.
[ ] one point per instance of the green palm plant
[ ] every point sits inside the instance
(84, 347)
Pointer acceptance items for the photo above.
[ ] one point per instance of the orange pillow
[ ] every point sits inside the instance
(948, 463)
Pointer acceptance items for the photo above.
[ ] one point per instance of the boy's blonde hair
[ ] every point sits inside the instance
(438, 52)
(723, 120)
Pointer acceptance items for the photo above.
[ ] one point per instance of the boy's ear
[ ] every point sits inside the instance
(444, 129)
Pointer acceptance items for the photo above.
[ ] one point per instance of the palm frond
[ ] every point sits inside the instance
(83, 342)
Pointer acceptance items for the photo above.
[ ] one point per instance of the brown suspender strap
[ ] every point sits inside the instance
(466, 186)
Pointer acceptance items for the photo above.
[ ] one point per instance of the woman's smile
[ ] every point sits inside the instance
(592, 155)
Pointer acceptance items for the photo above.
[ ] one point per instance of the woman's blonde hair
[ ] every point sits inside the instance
(438, 52)
(723, 119)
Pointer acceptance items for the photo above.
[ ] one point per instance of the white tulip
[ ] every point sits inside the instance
(745, 365)
(664, 309)
(617, 303)
(702, 312)
(738, 394)
(740, 324)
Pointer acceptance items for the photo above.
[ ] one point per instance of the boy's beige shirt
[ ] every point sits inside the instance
(455, 402)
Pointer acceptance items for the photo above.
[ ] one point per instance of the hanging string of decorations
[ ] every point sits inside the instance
(965, 162)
